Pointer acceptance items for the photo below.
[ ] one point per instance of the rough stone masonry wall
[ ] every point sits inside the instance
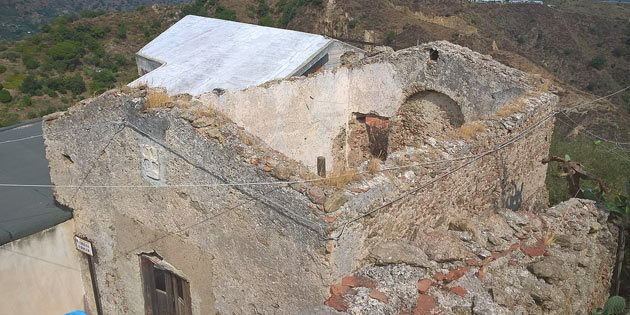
(241, 254)
(301, 117)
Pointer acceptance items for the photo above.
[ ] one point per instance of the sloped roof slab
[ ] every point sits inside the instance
(200, 54)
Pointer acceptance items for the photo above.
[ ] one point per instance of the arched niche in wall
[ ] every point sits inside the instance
(425, 114)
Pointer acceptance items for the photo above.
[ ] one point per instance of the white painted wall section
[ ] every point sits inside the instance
(40, 273)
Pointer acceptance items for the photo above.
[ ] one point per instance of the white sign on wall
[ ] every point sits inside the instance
(83, 245)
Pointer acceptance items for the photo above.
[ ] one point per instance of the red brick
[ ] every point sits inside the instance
(337, 302)
(472, 262)
(456, 274)
(424, 285)
(378, 295)
(338, 289)
(439, 276)
(425, 304)
(353, 281)
(329, 219)
(459, 291)
(266, 168)
(537, 249)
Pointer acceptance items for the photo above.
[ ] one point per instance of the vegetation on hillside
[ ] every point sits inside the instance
(70, 59)
(19, 18)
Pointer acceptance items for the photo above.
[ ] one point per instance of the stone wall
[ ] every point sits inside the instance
(243, 249)
(301, 117)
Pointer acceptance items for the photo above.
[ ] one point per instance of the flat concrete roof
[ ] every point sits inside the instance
(200, 54)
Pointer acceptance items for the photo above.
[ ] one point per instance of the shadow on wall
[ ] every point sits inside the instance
(424, 114)
(511, 193)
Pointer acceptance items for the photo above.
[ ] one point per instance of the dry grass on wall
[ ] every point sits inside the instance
(157, 98)
(511, 108)
(470, 129)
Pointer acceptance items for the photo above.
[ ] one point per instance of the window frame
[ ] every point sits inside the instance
(176, 303)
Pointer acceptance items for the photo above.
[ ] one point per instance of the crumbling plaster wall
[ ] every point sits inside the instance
(241, 253)
(300, 117)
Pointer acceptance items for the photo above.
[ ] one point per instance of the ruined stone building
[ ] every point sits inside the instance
(434, 199)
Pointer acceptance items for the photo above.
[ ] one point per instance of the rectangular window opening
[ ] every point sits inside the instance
(165, 292)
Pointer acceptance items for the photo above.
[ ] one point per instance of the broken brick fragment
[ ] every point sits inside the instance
(481, 274)
(424, 305)
(378, 295)
(337, 302)
(338, 289)
(329, 219)
(459, 291)
(266, 168)
(439, 276)
(456, 274)
(472, 262)
(424, 285)
(537, 249)
(353, 281)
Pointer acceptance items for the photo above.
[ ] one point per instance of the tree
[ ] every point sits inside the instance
(29, 62)
(5, 96)
(102, 80)
(75, 84)
(65, 54)
(31, 86)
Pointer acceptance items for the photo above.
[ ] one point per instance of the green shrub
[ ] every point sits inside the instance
(31, 86)
(3, 69)
(49, 110)
(352, 24)
(391, 36)
(9, 119)
(122, 31)
(195, 8)
(50, 92)
(31, 115)
(141, 8)
(224, 14)
(30, 63)
(25, 101)
(267, 21)
(14, 82)
(75, 84)
(10, 55)
(103, 80)
(5, 96)
(598, 62)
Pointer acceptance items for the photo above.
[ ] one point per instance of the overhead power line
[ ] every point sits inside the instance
(471, 160)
